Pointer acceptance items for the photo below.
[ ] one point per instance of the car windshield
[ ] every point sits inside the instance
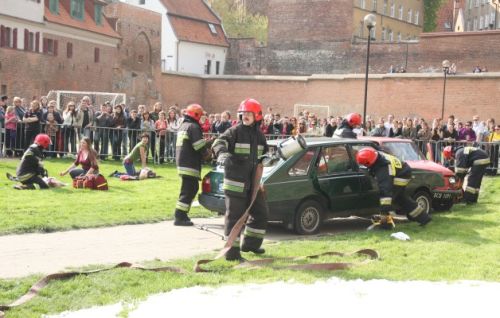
(403, 150)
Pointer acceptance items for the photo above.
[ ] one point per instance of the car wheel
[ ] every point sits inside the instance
(308, 218)
(423, 199)
(442, 206)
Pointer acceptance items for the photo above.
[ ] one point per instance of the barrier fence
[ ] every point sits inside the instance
(116, 143)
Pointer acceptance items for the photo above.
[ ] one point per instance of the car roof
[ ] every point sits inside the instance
(321, 141)
(381, 140)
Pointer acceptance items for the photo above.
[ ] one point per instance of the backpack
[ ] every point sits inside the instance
(93, 182)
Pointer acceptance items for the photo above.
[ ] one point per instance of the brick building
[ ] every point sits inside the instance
(71, 45)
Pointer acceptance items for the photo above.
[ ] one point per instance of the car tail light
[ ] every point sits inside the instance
(206, 187)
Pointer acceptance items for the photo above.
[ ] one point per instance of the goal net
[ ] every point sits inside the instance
(96, 98)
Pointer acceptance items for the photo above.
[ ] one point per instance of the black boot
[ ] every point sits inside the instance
(181, 219)
(423, 218)
(259, 250)
(234, 255)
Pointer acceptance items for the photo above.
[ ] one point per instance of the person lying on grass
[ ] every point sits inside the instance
(87, 157)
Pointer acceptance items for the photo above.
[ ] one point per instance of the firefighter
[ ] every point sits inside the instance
(392, 177)
(472, 161)
(30, 171)
(351, 121)
(191, 148)
(239, 150)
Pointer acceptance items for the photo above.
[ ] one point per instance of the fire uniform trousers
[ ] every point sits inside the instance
(477, 161)
(245, 145)
(30, 171)
(344, 131)
(190, 148)
(392, 177)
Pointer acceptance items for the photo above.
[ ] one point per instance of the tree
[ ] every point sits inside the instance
(238, 22)
(431, 8)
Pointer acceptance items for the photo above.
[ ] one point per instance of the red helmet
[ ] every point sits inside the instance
(367, 156)
(194, 111)
(43, 140)
(353, 119)
(251, 105)
(448, 152)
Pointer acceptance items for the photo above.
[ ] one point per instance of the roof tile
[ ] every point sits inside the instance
(196, 9)
(197, 31)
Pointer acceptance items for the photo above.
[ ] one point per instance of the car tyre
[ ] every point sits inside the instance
(443, 206)
(308, 218)
(423, 199)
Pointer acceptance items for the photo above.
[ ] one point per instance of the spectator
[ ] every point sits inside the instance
(302, 127)
(391, 69)
(453, 69)
(44, 103)
(4, 102)
(398, 131)
(51, 109)
(161, 133)
(70, 119)
(32, 119)
(173, 124)
(425, 133)
(224, 123)
(86, 117)
(103, 122)
(140, 110)
(10, 130)
(119, 124)
(467, 133)
(205, 123)
(133, 127)
(379, 130)
(155, 114)
(409, 131)
(330, 127)
(479, 128)
(148, 127)
(450, 133)
(215, 123)
(87, 158)
(277, 126)
(287, 126)
(52, 129)
(484, 69)
(476, 69)
(313, 129)
(265, 126)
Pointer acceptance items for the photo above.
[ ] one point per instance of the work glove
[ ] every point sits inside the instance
(221, 160)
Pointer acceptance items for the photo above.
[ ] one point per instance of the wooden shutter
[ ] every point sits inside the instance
(37, 42)
(69, 50)
(45, 45)
(96, 55)
(55, 47)
(26, 39)
(14, 38)
(2, 36)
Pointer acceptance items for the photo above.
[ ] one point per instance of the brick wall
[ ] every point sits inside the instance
(400, 94)
(245, 57)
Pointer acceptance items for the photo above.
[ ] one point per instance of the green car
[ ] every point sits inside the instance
(321, 182)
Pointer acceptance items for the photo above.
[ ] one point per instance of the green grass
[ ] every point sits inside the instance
(126, 202)
(461, 245)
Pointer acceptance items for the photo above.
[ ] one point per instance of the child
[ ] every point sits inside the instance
(10, 130)
(51, 129)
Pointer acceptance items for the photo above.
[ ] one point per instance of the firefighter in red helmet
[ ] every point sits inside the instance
(30, 171)
(239, 149)
(191, 148)
(350, 122)
(472, 161)
(392, 176)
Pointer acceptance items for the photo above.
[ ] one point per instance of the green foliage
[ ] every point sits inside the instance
(238, 23)
(431, 8)
(126, 202)
(459, 245)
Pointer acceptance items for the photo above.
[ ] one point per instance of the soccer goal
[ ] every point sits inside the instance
(97, 98)
(321, 111)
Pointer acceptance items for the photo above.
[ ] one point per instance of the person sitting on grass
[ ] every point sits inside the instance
(140, 151)
(30, 171)
(87, 158)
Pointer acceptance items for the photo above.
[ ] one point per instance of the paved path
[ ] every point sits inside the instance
(21, 255)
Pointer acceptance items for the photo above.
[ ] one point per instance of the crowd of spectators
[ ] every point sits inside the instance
(114, 130)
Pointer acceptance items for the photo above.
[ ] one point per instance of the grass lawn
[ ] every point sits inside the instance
(461, 245)
(126, 202)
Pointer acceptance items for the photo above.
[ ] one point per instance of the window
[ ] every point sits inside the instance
(362, 3)
(7, 37)
(96, 55)
(383, 34)
(469, 26)
(217, 67)
(334, 159)
(50, 46)
(69, 50)
(212, 28)
(140, 59)
(399, 36)
(142, 1)
(475, 24)
(410, 15)
(29, 40)
(393, 9)
(391, 36)
(400, 12)
(374, 5)
(384, 10)
(77, 8)
(54, 6)
(417, 16)
(481, 23)
(486, 21)
(301, 167)
(98, 14)
(208, 67)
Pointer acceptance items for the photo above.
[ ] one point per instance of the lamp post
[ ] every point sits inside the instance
(370, 20)
(446, 67)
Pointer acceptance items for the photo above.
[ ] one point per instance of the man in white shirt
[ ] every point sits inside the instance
(479, 128)
(389, 125)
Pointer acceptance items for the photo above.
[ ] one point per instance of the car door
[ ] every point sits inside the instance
(369, 193)
(338, 180)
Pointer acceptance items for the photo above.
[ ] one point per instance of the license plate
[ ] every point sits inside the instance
(443, 196)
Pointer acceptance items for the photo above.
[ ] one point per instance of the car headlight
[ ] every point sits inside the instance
(452, 180)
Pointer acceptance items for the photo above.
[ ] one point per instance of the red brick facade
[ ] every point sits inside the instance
(399, 94)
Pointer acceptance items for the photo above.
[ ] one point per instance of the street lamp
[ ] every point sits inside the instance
(370, 20)
(446, 67)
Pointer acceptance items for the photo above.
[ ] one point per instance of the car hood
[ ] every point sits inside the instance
(430, 166)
